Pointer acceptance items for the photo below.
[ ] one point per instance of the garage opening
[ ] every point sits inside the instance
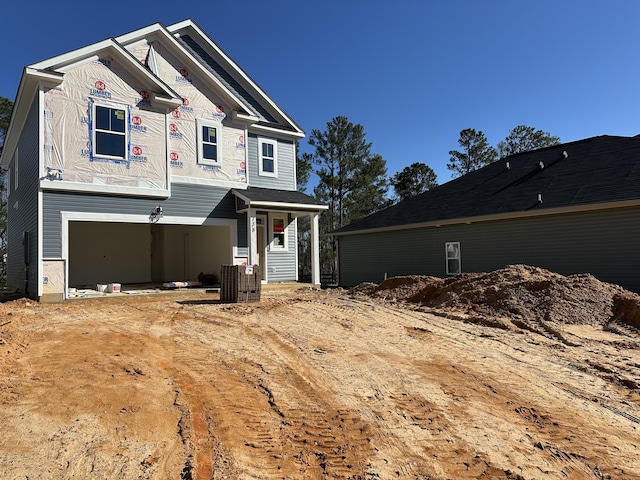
(137, 253)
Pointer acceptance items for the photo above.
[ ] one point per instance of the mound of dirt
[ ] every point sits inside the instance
(521, 293)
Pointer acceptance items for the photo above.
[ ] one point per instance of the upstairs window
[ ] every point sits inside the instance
(453, 257)
(267, 153)
(208, 137)
(110, 133)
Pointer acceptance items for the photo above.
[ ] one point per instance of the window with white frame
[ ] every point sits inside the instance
(268, 157)
(208, 137)
(278, 233)
(110, 133)
(453, 257)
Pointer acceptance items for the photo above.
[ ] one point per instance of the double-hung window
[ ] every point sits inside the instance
(208, 137)
(278, 233)
(268, 161)
(110, 132)
(453, 257)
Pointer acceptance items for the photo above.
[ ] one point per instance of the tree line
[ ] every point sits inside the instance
(6, 107)
(353, 182)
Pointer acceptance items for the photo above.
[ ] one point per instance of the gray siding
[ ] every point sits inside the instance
(24, 218)
(286, 179)
(603, 243)
(281, 266)
(186, 201)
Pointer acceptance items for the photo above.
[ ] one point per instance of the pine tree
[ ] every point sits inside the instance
(524, 139)
(352, 180)
(6, 107)
(476, 153)
(413, 180)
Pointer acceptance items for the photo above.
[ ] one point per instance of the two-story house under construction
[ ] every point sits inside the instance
(149, 157)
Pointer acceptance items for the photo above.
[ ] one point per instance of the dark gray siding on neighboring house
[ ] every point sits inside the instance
(604, 243)
(186, 201)
(22, 207)
(285, 166)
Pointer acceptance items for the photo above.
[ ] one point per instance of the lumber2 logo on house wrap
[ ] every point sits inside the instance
(219, 114)
(143, 99)
(136, 154)
(175, 160)
(183, 77)
(185, 106)
(174, 132)
(136, 125)
(100, 90)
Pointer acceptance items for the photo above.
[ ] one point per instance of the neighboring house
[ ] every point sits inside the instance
(149, 157)
(571, 208)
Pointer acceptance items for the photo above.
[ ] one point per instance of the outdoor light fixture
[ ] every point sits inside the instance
(156, 214)
(54, 173)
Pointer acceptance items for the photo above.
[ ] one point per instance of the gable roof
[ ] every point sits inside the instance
(252, 105)
(598, 172)
(52, 71)
(230, 74)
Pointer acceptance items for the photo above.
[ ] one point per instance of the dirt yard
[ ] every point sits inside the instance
(519, 375)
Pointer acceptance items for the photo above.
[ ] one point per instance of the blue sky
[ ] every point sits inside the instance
(413, 73)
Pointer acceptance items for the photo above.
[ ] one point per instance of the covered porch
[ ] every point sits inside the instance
(271, 217)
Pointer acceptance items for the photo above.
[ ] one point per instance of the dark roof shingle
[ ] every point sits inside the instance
(596, 170)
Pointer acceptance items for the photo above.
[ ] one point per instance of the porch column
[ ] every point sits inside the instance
(252, 234)
(315, 249)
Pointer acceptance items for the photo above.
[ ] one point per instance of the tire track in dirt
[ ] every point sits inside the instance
(302, 436)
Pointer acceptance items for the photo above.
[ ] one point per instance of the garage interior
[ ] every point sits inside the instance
(137, 253)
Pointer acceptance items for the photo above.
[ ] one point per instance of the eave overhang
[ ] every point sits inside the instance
(273, 204)
(191, 28)
(494, 217)
(162, 34)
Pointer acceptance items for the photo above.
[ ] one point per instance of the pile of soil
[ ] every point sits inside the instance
(520, 293)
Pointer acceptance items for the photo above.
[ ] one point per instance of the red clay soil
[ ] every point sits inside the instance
(519, 293)
(518, 374)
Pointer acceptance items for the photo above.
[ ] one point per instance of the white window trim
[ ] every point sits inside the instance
(119, 106)
(200, 122)
(261, 170)
(447, 257)
(279, 248)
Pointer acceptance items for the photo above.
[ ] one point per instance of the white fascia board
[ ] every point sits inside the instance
(67, 61)
(138, 35)
(190, 25)
(27, 90)
(212, 182)
(243, 118)
(72, 216)
(54, 63)
(277, 132)
(161, 32)
(291, 206)
(279, 205)
(170, 102)
(49, 77)
(107, 189)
